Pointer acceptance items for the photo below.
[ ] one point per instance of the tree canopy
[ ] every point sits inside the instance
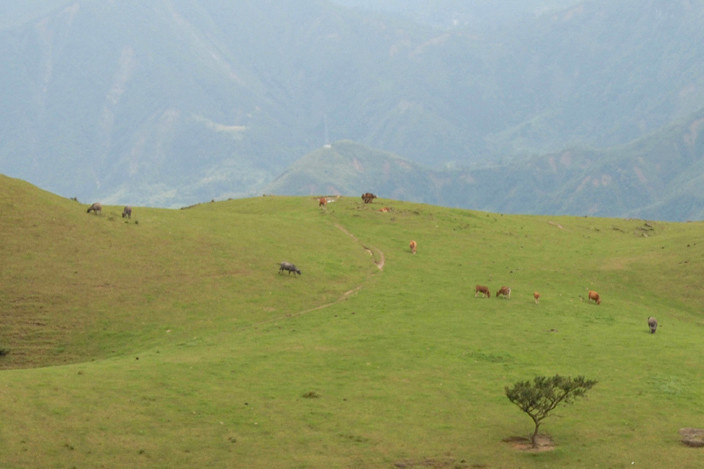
(544, 394)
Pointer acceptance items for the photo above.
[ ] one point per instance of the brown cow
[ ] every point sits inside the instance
(127, 212)
(504, 291)
(536, 297)
(652, 324)
(413, 245)
(95, 208)
(483, 290)
(593, 296)
(322, 202)
(367, 197)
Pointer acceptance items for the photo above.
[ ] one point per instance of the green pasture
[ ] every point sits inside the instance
(171, 339)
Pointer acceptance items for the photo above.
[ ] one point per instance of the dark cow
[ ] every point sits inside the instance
(367, 197)
(593, 296)
(289, 267)
(95, 208)
(504, 291)
(652, 324)
(483, 290)
(127, 212)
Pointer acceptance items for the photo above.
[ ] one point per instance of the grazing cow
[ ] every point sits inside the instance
(289, 267)
(504, 291)
(367, 197)
(322, 202)
(413, 245)
(127, 212)
(593, 296)
(95, 208)
(536, 297)
(652, 324)
(483, 290)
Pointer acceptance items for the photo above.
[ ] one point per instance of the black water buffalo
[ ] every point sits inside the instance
(289, 267)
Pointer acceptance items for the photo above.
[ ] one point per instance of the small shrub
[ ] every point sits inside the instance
(539, 398)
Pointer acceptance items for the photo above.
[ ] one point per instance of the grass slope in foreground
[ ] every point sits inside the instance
(174, 342)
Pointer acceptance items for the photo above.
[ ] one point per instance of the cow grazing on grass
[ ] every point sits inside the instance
(504, 291)
(127, 212)
(652, 324)
(322, 202)
(95, 208)
(593, 296)
(413, 245)
(289, 267)
(367, 197)
(483, 290)
(536, 297)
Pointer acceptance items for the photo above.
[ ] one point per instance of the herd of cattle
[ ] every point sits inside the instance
(483, 290)
(97, 208)
(504, 292)
(368, 197)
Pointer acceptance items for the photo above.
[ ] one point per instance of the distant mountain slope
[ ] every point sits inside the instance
(451, 14)
(348, 168)
(167, 104)
(170, 103)
(657, 177)
(603, 73)
(15, 14)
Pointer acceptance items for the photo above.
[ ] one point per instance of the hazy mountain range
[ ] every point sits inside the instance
(567, 107)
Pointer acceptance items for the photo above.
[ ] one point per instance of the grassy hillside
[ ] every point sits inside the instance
(171, 340)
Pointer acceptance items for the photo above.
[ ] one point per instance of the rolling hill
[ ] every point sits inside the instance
(171, 339)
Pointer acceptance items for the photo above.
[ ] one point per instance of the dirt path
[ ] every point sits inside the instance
(371, 250)
(378, 262)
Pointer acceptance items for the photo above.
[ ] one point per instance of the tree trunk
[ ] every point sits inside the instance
(534, 436)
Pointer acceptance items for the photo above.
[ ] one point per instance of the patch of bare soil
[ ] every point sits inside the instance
(555, 224)
(435, 463)
(693, 437)
(520, 443)
(380, 263)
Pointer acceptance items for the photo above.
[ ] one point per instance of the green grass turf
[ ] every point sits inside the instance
(171, 340)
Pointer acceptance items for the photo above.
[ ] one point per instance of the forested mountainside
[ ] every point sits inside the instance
(168, 103)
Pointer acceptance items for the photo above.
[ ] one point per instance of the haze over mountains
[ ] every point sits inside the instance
(564, 107)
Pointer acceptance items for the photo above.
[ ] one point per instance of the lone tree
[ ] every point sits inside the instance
(539, 398)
